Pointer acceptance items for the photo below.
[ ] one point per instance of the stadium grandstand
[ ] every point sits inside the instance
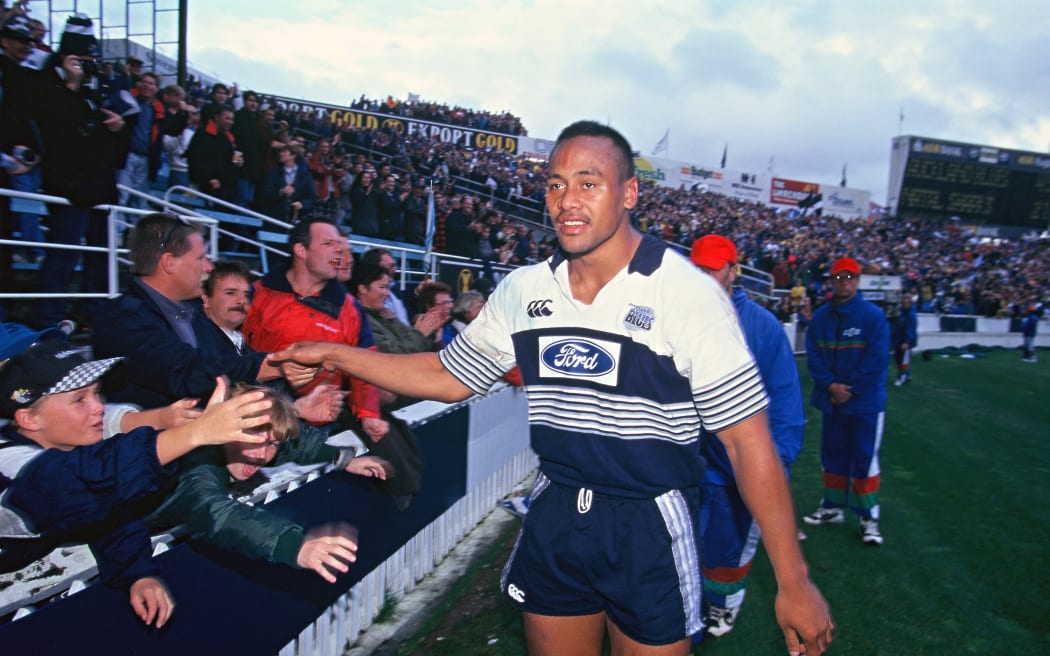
(456, 194)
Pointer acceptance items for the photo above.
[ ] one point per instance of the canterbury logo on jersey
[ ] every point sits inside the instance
(516, 593)
(539, 308)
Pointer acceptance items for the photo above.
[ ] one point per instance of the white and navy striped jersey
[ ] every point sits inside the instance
(620, 388)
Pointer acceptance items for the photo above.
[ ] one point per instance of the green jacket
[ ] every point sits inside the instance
(202, 501)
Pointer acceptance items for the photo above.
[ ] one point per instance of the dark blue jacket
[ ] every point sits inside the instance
(160, 369)
(905, 328)
(849, 343)
(776, 364)
(96, 494)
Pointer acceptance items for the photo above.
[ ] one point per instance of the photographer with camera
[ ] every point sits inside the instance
(81, 139)
(19, 143)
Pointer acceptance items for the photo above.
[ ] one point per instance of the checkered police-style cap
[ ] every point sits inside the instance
(46, 368)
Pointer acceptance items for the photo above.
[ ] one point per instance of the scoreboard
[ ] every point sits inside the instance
(981, 185)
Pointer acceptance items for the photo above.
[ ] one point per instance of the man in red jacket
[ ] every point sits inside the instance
(304, 301)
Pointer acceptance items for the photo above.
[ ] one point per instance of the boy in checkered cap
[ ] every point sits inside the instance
(61, 482)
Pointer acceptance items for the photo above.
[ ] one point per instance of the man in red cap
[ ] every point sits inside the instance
(728, 530)
(847, 348)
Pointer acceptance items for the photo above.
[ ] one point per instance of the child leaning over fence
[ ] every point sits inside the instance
(203, 504)
(61, 482)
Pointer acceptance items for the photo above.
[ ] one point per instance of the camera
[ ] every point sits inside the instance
(89, 66)
(25, 155)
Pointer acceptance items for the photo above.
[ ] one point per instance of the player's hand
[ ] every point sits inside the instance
(805, 619)
(329, 547)
(151, 600)
(370, 467)
(305, 353)
(322, 405)
(376, 428)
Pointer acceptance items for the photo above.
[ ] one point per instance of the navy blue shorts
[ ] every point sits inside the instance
(637, 560)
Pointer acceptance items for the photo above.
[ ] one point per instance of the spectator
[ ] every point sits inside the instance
(435, 302)
(364, 202)
(18, 86)
(415, 214)
(202, 500)
(287, 191)
(173, 351)
(212, 156)
(225, 297)
(304, 301)
(80, 139)
(63, 482)
(384, 259)
(175, 147)
(466, 308)
(389, 204)
(246, 136)
(145, 132)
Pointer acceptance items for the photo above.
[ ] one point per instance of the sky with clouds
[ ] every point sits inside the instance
(812, 85)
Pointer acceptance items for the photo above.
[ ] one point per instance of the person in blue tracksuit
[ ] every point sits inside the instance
(905, 337)
(730, 534)
(1029, 327)
(847, 349)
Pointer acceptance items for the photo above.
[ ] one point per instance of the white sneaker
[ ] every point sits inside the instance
(869, 532)
(719, 621)
(801, 536)
(825, 516)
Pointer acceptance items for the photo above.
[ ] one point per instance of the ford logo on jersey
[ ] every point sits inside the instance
(578, 357)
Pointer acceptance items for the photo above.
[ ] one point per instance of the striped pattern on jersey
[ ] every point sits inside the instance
(618, 389)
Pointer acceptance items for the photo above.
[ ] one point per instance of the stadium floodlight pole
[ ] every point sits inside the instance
(180, 73)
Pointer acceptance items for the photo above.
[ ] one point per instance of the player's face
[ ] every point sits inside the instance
(69, 419)
(587, 200)
(844, 286)
(228, 304)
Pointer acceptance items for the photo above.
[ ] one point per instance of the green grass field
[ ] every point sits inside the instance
(966, 515)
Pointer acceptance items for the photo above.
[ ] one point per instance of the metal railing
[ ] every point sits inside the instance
(114, 222)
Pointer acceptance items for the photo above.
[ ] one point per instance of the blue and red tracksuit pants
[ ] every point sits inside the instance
(849, 453)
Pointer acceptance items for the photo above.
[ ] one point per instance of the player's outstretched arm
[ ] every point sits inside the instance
(802, 612)
(419, 375)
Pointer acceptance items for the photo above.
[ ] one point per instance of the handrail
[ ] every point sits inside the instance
(112, 250)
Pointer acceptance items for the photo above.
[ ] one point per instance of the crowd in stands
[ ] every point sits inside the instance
(241, 147)
(948, 269)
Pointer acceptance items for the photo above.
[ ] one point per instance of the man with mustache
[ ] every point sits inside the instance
(226, 297)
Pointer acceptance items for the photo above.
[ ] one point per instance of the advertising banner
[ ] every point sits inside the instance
(356, 118)
(790, 192)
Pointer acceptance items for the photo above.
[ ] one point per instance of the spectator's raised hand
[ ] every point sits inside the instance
(375, 427)
(151, 601)
(179, 413)
(298, 374)
(329, 547)
(322, 405)
(231, 421)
